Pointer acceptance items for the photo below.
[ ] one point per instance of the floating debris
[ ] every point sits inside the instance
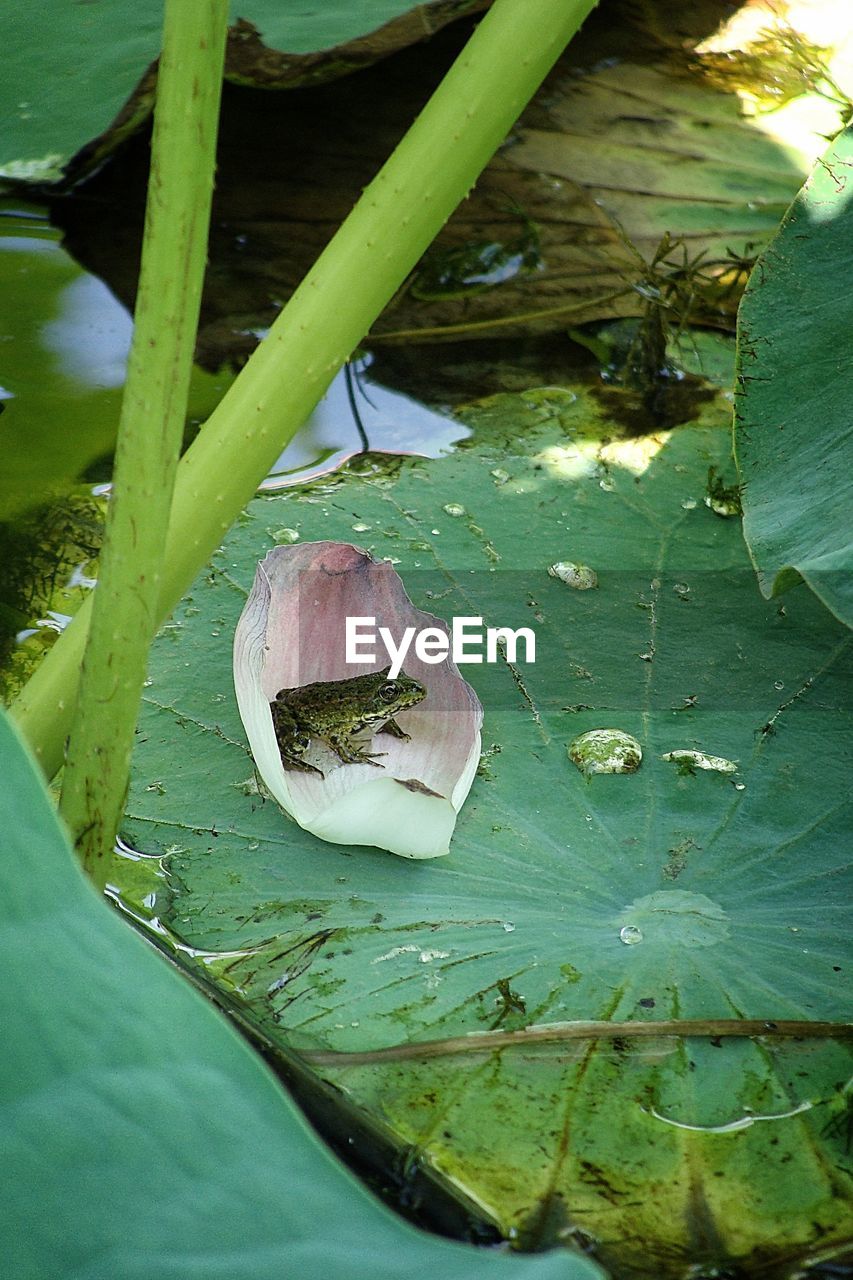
(723, 499)
(725, 507)
(690, 760)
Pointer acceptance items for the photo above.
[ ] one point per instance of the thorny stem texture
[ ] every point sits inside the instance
(393, 223)
(127, 600)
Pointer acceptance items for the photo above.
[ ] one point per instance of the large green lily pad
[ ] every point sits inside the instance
(141, 1136)
(73, 80)
(794, 420)
(668, 893)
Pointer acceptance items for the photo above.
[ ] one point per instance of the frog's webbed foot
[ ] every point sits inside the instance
(394, 729)
(350, 752)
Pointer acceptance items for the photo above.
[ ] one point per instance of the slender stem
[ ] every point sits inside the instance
(466, 328)
(395, 220)
(565, 1032)
(125, 610)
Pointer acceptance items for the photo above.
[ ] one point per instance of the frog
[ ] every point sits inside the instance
(338, 713)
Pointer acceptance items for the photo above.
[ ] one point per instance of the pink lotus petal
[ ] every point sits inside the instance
(292, 633)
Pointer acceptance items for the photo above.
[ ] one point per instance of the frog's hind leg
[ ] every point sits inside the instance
(292, 741)
(394, 729)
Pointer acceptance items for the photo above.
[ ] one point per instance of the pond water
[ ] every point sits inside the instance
(65, 343)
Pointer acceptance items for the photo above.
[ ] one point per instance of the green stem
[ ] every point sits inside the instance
(125, 608)
(397, 217)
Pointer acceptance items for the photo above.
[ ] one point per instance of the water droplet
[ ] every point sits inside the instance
(391, 559)
(682, 590)
(630, 935)
(607, 484)
(689, 504)
(778, 685)
(361, 527)
(605, 751)
(723, 506)
(454, 509)
(499, 475)
(740, 786)
(156, 786)
(579, 576)
(284, 537)
(435, 532)
(508, 926)
(146, 684)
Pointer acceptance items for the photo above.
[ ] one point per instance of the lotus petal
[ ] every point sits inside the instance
(292, 633)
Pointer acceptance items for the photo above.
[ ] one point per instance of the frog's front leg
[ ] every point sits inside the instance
(394, 729)
(348, 750)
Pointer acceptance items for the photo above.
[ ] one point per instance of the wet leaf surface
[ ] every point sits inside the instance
(141, 1135)
(670, 892)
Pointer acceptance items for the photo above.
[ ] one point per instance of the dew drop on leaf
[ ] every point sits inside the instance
(606, 751)
(579, 576)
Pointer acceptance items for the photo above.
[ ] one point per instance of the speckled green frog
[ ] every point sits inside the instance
(338, 712)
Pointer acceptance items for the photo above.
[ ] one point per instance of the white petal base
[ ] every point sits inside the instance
(387, 814)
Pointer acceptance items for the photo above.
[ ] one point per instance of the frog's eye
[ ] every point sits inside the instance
(389, 691)
(300, 742)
